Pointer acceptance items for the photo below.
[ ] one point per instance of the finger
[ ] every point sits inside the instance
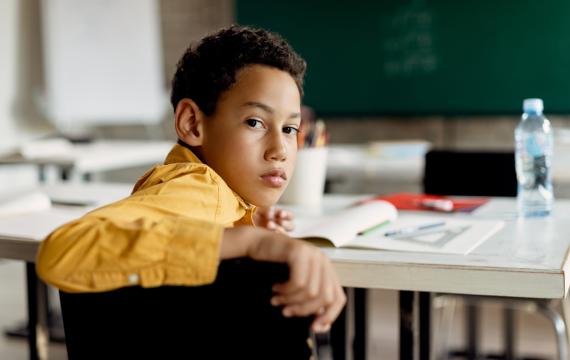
(306, 308)
(299, 266)
(304, 294)
(317, 277)
(287, 225)
(283, 214)
(276, 226)
(324, 320)
(288, 299)
(281, 230)
(310, 300)
(268, 212)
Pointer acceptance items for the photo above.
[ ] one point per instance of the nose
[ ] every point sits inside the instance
(277, 147)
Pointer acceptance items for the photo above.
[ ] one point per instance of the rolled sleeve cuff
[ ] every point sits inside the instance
(192, 256)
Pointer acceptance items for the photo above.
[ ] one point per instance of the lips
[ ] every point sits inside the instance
(274, 178)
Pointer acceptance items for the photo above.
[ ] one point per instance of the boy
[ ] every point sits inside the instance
(237, 100)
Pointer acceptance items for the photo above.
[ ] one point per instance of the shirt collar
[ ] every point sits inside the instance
(182, 153)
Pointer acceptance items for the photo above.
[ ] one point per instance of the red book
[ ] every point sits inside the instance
(410, 201)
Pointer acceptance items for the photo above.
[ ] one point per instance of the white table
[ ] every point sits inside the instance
(22, 234)
(527, 258)
(99, 156)
(361, 168)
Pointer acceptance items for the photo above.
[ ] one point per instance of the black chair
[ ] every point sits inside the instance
(230, 318)
(470, 173)
(483, 173)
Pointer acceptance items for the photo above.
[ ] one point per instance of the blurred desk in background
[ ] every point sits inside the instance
(85, 161)
(20, 241)
(376, 168)
(392, 167)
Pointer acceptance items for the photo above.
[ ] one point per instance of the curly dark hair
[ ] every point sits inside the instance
(209, 68)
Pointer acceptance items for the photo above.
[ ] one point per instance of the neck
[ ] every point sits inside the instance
(195, 150)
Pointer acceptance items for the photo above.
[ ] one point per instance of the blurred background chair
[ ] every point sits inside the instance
(481, 173)
(231, 316)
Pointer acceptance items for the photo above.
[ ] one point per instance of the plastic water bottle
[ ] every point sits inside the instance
(533, 137)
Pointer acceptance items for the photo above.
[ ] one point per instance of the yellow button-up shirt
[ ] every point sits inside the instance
(167, 232)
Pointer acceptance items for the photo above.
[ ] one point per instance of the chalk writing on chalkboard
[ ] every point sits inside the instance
(408, 48)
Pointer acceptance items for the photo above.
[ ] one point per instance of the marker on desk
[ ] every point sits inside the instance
(413, 229)
(438, 204)
(373, 227)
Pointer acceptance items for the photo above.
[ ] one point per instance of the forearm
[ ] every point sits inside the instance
(256, 243)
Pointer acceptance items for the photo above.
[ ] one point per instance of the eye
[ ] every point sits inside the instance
(254, 123)
(290, 130)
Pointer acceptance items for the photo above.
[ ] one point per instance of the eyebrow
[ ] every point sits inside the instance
(268, 108)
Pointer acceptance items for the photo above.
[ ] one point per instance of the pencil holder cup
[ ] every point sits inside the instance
(306, 186)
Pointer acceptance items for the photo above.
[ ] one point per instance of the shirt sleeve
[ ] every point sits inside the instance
(166, 237)
(94, 254)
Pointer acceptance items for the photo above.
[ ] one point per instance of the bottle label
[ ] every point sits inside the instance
(535, 146)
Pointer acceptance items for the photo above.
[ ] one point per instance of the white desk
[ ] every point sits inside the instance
(527, 258)
(22, 236)
(100, 156)
(357, 168)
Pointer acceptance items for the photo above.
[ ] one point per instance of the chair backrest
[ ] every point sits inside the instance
(231, 316)
(470, 173)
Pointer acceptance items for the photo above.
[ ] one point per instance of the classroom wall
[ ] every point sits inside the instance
(184, 21)
(486, 133)
(20, 71)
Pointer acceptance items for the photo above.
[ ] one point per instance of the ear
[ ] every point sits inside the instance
(189, 122)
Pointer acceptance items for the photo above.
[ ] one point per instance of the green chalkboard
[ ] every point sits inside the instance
(451, 57)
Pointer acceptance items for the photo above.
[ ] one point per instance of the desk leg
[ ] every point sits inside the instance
(37, 314)
(509, 332)
(415, 325)
(360, 331)
(472, 330)
(425, 325)
(407, 334)
(349, 329)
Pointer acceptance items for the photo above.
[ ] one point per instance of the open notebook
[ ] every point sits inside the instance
(385, 230)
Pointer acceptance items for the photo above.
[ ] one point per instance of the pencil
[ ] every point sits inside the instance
(373, 227)
(414, 229)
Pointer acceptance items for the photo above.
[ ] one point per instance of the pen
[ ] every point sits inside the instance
(373, 227)
(413, 229)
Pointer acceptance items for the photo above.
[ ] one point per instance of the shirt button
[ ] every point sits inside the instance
(133, 279)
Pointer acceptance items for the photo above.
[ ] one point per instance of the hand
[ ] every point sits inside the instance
(313, 287)
(275, 219)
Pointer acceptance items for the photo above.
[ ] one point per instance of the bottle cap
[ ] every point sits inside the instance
(533, 105)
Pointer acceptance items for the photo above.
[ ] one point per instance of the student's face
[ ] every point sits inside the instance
(251, 138)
